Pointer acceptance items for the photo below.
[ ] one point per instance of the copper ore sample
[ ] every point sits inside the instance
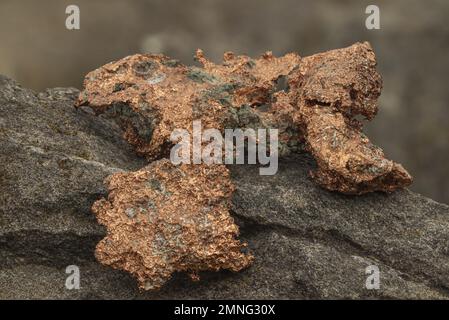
(151, 95)
(313, 101)
(166, 218)
(331, 89)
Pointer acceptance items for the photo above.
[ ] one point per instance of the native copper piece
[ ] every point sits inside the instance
(186, 226)
(331, 89)
(151, 95)
(166, 218)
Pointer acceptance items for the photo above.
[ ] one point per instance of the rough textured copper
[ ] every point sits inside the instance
(151, 95)
(165, 218)
(312, 101)
(331, 89)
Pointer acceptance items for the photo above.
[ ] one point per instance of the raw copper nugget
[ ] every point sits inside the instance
(183, 224)
(166, 218)
(331, 89)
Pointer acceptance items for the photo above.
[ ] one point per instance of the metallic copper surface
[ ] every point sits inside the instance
(166, 218)
(331, 89)
(151, 95)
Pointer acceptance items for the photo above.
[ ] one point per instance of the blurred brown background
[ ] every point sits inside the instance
(412, 49)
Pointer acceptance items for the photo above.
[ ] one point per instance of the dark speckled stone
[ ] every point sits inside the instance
(308, 242)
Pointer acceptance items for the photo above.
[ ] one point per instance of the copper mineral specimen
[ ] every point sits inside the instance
(151, 95)
(331, 89)
(167, 218)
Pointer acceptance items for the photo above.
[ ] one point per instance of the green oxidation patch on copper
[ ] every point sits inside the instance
(172, 63)
(143, 125)
(200, 76)
(221, 93)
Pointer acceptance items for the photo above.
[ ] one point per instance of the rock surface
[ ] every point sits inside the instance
(308, 242)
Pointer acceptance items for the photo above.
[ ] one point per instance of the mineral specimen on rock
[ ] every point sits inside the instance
(151, 95)
(312, 101)
(165, 218)
(308, 243)
(332, 88)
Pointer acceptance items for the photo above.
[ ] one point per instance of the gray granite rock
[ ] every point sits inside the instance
(308, 242)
